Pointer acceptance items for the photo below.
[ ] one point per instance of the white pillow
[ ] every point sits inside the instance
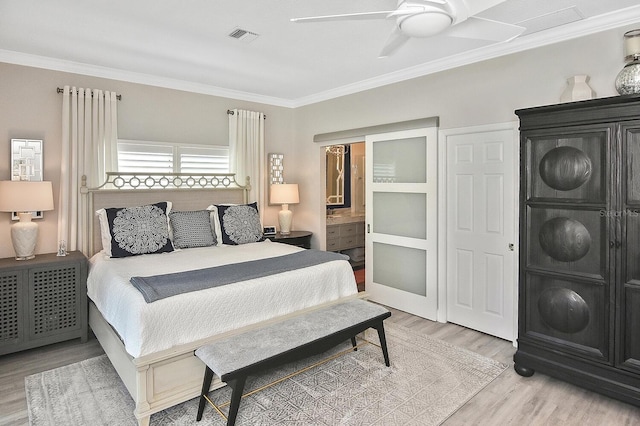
(105, 235)
(215, 224)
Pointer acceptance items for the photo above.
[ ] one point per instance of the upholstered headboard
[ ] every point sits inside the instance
(186, 192)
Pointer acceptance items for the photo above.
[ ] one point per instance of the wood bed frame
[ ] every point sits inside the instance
(161, 380)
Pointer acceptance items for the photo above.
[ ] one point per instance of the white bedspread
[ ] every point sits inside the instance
(149, 328)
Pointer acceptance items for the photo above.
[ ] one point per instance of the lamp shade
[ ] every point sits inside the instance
(631, 45)
(25, 196)
(284, 193)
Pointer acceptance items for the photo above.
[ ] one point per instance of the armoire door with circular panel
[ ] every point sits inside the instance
(628, 221)
(565, 261)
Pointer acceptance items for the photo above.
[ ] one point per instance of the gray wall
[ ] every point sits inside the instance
(481, 93)
(477, 94)
(31, 108)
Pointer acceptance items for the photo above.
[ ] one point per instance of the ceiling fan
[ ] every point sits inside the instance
(425, 18)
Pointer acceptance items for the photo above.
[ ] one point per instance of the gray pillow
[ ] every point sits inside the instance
(192, 229)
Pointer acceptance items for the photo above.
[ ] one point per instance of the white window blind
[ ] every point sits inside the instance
(143, 157)
(159, 157)
(203, 159)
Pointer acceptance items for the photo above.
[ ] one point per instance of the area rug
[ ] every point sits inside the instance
(427, 382)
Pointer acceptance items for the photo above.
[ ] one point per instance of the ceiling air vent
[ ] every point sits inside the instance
(551, 20)
(243, 35)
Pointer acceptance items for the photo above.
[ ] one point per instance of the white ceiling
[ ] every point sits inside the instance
(185, 44)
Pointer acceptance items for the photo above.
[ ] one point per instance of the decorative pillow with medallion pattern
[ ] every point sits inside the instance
(139, 230)
(239, 224)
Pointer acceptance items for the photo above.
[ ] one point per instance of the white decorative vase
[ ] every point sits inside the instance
(577, 89)
(628, 80)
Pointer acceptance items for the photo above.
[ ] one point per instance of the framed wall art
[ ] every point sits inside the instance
(26, 164)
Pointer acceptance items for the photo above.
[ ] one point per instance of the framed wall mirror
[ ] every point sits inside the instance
(26, 159)
(26, 164)
(276, 172)
(338, 176)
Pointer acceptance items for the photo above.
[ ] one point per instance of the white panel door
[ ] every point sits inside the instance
(401, 215)
(481, 199)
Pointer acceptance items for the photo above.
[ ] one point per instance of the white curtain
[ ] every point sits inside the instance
(246, 152)
(89, 148)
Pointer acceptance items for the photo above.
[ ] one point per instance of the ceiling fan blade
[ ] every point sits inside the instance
(472, 7)
(394, 42)
(484, 29)
(346, 16)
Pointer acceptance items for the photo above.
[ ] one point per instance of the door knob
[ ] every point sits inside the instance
(512, 247)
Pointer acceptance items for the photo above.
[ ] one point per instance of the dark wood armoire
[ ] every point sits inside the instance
(579, 279)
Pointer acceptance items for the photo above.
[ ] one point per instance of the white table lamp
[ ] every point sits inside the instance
(25, 197)
(285, 194)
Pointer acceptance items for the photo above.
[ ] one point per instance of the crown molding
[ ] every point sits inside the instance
(36, 61)
(574, 30)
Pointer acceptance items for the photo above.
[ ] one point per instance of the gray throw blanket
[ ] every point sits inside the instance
(160, 286)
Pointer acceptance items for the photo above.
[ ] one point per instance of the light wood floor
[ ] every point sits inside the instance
(508, 400)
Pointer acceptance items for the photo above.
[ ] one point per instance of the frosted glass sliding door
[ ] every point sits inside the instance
(401, 257)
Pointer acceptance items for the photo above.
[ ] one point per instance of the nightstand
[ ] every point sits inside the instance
(42, 301)
(294, 238)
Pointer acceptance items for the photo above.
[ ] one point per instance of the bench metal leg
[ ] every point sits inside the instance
(208, 376)
(238, 386)
(354, 344)
(383, 343)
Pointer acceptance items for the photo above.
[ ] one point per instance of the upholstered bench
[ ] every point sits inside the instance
(237, 357)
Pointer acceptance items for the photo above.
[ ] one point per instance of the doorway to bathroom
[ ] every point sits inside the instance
(345, 204)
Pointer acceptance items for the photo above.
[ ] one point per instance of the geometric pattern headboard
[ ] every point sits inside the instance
(183, 199)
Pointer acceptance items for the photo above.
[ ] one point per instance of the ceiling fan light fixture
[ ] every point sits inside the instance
(425, 24)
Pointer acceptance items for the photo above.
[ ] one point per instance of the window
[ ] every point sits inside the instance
(160, 157)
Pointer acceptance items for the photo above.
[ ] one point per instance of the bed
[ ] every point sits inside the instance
(151, 345)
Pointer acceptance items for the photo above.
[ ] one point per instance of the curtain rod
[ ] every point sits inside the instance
(60, 90)
(230, 112)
